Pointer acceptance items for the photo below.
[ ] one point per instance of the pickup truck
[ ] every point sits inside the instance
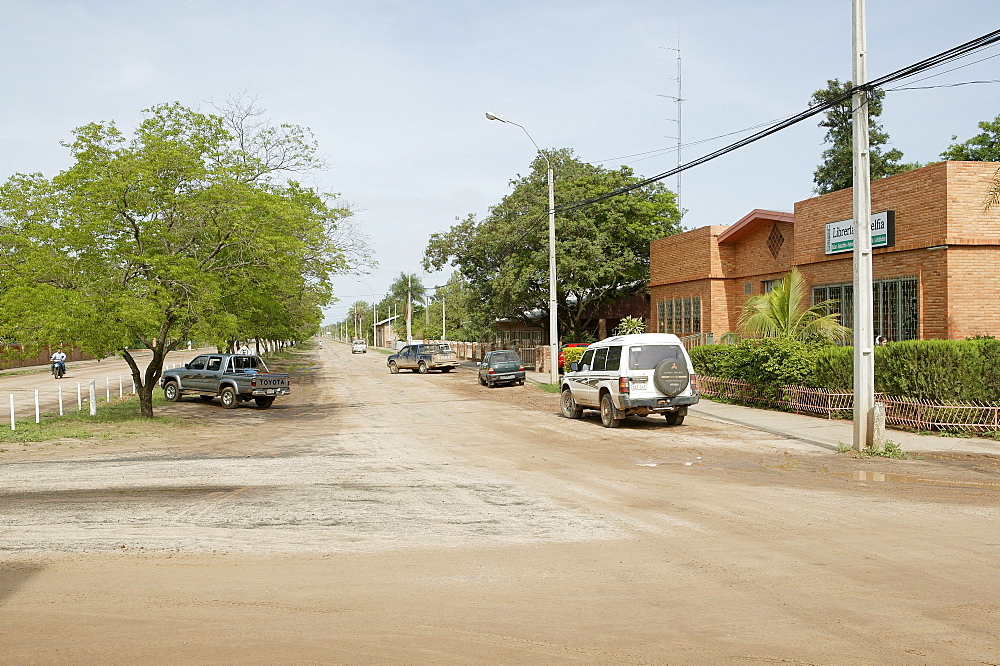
(234, 378)
(423, 358)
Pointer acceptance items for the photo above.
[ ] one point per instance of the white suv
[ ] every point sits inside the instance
(646, 373)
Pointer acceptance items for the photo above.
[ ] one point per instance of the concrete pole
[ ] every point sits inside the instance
(553, 322)
(864, 344)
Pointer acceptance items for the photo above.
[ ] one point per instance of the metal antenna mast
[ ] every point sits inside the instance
(679, 101)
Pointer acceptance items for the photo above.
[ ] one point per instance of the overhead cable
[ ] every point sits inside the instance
(906, 72)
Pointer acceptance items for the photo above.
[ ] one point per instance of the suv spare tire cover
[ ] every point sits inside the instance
(671, 376)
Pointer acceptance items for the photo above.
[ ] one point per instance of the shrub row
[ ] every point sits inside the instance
(940, 370)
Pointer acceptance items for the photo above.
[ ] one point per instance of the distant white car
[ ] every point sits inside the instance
(359, 347)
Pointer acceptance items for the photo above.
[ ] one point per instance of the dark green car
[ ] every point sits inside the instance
(501, 367)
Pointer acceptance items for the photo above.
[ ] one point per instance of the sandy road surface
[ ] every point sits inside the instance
(379, 518)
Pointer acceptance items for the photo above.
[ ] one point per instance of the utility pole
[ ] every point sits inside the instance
(864, 344)
(409, 309)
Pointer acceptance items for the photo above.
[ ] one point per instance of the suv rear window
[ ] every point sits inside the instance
(647, 356)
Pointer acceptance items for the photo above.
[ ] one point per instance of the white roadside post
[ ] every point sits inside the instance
(121, 390)
(38, 416)
(13, 426)
(60, 401)
(107, 388)
(79, 398)
(93, 397)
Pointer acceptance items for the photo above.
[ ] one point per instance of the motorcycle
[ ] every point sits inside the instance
(58, 370)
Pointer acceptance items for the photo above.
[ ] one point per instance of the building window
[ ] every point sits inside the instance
(680, 316)
(895, 314)
(769, 285)
(748, 288)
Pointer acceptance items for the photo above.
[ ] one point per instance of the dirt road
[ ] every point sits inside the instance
(377, 518)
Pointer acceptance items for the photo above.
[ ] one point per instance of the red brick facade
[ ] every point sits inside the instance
(944, 239)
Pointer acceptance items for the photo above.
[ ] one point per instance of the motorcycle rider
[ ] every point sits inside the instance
(59, 357)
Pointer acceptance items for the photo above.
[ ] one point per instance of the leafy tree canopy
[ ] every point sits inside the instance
(984, 147)
(602, 250)
(188, 229)
(836, 171)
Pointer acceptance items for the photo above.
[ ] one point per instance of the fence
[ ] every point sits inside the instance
(912, 413)
(63, 396)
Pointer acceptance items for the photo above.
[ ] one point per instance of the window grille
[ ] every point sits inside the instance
(895, 311)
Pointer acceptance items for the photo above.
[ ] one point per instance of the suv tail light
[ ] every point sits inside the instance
(694, 383)
(623, 384)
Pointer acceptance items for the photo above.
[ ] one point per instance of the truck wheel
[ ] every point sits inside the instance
(422, 368)
(171, 392)
(207, 398)
(264, 403)
(393, 368)
(674, 418)
(447, 369)
(568, 405)
(229, 398)
(610, 416)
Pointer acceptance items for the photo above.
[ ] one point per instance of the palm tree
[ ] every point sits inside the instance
(782, 313)
(407, 288)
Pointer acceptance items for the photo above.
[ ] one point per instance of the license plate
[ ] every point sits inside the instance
(639, 386)
(504, 376)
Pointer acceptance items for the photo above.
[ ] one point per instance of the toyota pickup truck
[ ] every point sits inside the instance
(233, 378)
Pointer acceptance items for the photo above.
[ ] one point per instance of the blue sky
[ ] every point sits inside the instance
(396, 92)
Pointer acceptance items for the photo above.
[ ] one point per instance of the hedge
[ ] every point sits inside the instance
(939, 370)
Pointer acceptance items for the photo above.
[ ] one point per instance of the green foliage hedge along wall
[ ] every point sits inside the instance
(940, 370)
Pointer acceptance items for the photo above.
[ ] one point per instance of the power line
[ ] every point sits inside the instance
(945, 85)
(906, 72)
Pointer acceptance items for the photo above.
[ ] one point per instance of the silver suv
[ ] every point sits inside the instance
(646, 373)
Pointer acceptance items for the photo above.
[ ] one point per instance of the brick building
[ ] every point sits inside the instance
(936, 273)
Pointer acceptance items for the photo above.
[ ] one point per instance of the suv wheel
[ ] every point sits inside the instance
(393, 368)
(674, 418)
(422, 368)
(171, 392)
(610, 416)
(568, 405)
(229, 398)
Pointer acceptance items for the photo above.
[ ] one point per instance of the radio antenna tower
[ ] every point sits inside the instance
(679, 101)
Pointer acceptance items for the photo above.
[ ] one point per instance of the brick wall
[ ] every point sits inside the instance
(941, 204)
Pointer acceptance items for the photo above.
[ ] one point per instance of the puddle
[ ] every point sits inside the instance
(890, 477)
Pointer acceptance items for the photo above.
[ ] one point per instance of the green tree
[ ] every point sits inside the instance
(189, 228)
(783, 313)
(836, 171)
(602, 250)
(984, 147)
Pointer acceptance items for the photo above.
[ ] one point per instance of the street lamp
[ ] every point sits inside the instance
(553, 328)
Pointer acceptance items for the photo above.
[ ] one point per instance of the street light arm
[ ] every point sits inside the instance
(490, 116)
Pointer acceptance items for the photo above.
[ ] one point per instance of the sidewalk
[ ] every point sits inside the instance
(825, 433)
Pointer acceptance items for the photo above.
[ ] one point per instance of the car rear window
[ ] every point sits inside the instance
(647, 356)
(433, 349)
(505, 357)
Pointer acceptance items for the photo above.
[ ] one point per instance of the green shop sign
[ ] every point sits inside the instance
(840, 235)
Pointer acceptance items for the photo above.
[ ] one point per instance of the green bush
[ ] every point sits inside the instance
(940, 370)
(710, 360)
(771, 361)
(572, 355)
